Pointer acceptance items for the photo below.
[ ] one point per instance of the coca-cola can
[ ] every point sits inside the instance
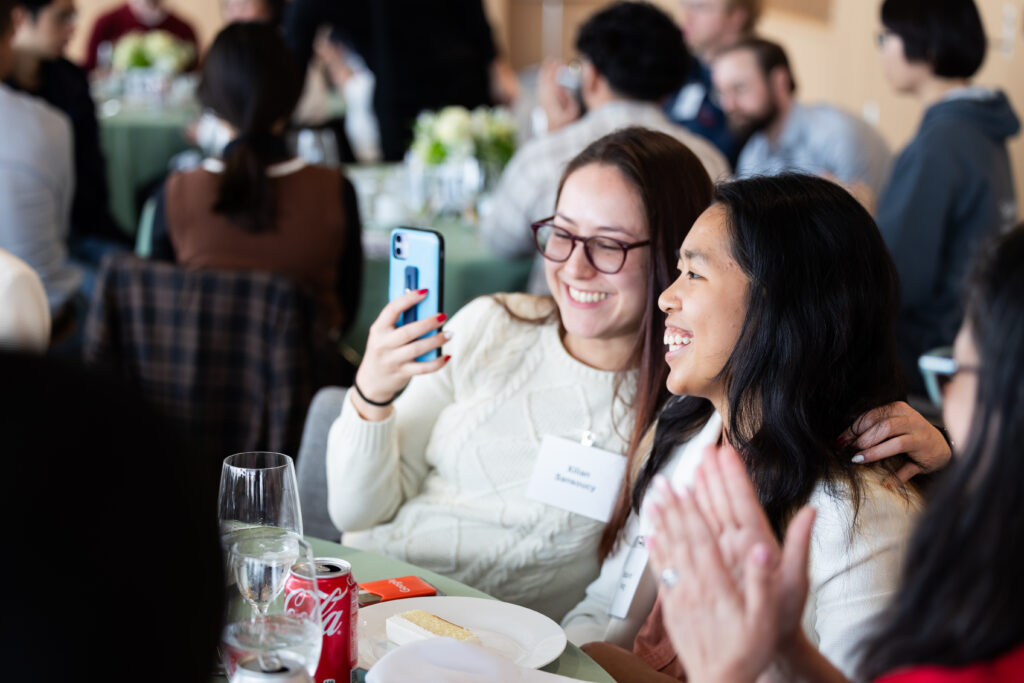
(339, 593)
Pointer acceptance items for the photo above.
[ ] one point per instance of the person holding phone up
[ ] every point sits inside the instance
(501, 459)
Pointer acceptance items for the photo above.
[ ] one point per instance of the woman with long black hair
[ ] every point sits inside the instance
(780, 334)
(957, 614)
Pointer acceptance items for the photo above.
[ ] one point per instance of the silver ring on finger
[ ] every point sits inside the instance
(669, 577)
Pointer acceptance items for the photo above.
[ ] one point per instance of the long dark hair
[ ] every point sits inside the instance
(961, 596)
(817, 347)
(251, 81)
(674, 189)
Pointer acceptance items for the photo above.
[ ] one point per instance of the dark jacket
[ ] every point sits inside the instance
(951, 188)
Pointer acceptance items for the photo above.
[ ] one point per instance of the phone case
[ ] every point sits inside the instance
(416, 261)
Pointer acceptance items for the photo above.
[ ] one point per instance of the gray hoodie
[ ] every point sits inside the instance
(951, 188)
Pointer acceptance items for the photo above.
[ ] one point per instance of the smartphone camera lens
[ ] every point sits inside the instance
(398, 237)
(398, 251)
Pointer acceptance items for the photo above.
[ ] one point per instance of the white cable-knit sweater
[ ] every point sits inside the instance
(442, 482)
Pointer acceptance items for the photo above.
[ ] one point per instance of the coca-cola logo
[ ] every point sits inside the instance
(331, 607)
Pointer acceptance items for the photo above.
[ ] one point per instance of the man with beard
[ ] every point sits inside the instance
(709, 26)
(757, 91)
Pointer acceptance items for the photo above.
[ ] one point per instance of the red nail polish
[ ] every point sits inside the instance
(441, 317)
(447, 358)
(421, 292)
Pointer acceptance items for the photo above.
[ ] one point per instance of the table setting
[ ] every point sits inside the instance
(300, 609)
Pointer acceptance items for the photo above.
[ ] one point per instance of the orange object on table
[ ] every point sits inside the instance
(393, 589)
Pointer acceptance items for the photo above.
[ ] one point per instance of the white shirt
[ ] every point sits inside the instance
(24, 311)
(854, 568)
(36, 188)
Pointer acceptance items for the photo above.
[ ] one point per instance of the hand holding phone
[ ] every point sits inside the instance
(405, 339)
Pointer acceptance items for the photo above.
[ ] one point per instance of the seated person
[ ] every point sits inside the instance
(257, 207)
(438, 476)
(135, 15)
(750, 357)
(41, 69)
(36, 185)
(24, 313)
(952, 186)
(758, 93)
(633, 55)
(114, 531)
(734, 613)
(709, 26)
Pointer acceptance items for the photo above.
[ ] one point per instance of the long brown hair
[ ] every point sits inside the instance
(674, 190)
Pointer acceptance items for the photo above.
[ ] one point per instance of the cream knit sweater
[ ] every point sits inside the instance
(442, 482)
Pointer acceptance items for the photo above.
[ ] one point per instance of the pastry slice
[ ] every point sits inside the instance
(417, 624)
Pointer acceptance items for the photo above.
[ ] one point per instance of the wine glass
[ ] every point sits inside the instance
(282, 631)
(260, 563)
(257, 490)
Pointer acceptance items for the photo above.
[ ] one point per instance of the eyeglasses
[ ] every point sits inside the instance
(938, 367)
(607, 255)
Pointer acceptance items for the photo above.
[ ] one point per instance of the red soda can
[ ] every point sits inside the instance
(339, 594)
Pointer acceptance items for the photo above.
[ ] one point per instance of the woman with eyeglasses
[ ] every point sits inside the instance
(438, 476)
(956, 617)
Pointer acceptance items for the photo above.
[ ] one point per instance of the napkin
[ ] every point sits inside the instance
(445, 660)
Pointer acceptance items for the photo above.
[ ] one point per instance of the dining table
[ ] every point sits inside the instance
(367, 566)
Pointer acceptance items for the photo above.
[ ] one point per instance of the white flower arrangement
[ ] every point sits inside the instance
(456, 134)
(158, 50)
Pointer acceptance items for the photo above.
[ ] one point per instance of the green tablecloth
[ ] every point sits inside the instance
(371, 567)
(137, 144)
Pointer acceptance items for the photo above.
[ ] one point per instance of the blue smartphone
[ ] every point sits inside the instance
(416, 261)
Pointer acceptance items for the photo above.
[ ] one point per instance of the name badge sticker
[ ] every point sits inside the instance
(577, 478)
(632, 572)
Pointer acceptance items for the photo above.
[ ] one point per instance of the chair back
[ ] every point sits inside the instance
(223, 355)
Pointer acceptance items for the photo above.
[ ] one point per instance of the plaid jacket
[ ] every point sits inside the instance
(224, 355)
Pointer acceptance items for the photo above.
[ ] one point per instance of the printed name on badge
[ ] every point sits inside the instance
(576, 478)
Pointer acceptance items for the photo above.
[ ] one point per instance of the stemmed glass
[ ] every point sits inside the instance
(258, 511)
(257, 490)
(283, 628)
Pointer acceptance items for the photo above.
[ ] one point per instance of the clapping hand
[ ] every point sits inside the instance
(732, 598)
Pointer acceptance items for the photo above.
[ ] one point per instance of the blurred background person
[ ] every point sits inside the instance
(424, 54)
(106, 497)
(952, 186)
(24, 312)
(135, 15)
(42, 69)
(757, 91)
(257, 207)
(633, 56)
(709, 26)
(36, 186)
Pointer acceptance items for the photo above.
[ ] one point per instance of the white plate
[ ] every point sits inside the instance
(526, 637)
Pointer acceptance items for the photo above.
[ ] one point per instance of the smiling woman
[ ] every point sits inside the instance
(440, 476)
